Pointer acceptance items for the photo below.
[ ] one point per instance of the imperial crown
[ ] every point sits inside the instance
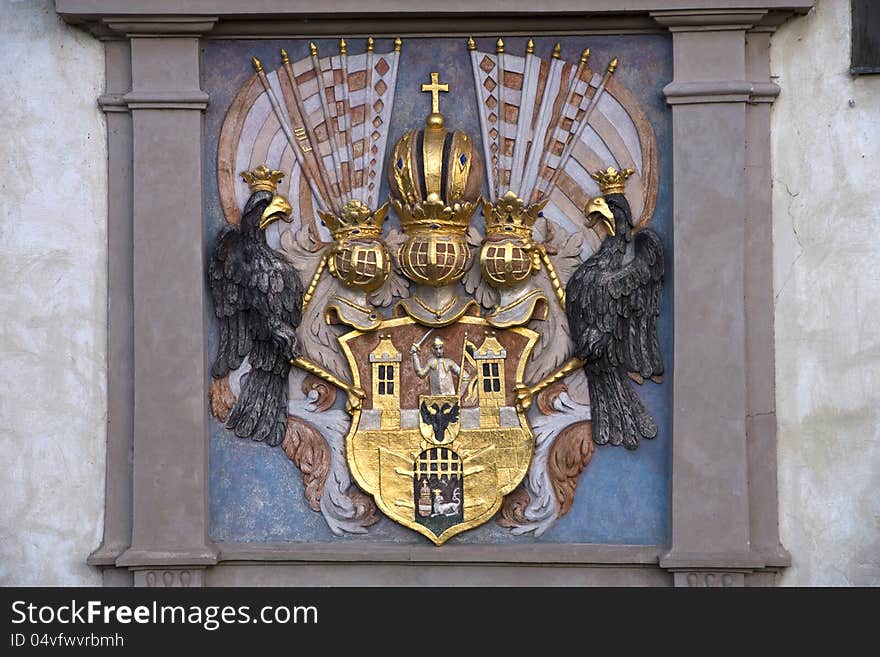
(358, 258)
(510, 216)
(612, 181)
(435, 176)
(508, 255)
(262, 179)
(355, 220)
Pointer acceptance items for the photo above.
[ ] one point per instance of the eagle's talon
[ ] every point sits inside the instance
(355, 397)
(523, 398)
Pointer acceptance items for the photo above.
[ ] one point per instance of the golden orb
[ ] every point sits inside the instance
(507, 262)
(361, 264)
(435, 177)
(434, 259)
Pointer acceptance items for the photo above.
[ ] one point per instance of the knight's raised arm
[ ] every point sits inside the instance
(421, 372)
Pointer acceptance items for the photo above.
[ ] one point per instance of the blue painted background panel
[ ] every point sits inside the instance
(623, 497)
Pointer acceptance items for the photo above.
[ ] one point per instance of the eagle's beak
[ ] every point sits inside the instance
(599, 206)
(278, 208)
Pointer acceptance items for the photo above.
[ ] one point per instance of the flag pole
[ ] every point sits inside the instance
(461, 367)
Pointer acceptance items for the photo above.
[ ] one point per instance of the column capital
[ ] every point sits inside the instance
(165, 73)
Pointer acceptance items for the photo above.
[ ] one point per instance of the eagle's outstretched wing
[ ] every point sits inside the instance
(276, 293)
(427, 416)
(639, 306)
(613, 314)
(228, 276)
(451, 411)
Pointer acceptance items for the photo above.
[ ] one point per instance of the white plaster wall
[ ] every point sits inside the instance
(52, 298)
(826, 147)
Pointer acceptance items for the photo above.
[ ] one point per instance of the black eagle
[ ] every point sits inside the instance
(257, 298)
(612, 303)
(439, 417)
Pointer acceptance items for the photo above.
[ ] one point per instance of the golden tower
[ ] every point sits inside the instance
(490, 358)
(385, 364)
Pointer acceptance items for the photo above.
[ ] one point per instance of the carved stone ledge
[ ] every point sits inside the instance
(106, 555)
(113, 103)
(764, 92)
(170, 578)
(699, 93)
(103, 33)
(772, 20)
(559, 554)
(708, 20)
(157, 100)
(285, 8)
(733, 560)
(477, 26)
(721, 91)
(201, 556)
(776, 558)
(176, 26)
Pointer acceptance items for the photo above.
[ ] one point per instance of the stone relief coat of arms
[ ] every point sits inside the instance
(450, 354)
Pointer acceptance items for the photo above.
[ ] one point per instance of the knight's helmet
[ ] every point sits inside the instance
(435, 175)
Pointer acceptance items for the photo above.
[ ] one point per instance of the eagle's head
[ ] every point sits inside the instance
(263, 208)
(613, 211)
(278, 208)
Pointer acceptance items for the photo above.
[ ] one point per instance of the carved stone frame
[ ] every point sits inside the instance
(724, 474)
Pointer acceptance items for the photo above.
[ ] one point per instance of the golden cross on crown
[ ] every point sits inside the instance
(435, 88)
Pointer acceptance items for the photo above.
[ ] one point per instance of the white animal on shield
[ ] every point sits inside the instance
(442, 508)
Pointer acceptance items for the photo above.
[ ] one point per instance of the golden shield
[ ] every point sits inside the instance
(439, 441)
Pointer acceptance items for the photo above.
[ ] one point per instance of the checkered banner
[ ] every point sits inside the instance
(547, 123)
(322, 120)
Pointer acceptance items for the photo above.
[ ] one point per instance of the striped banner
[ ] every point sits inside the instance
(324, 121)
(547, 123)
